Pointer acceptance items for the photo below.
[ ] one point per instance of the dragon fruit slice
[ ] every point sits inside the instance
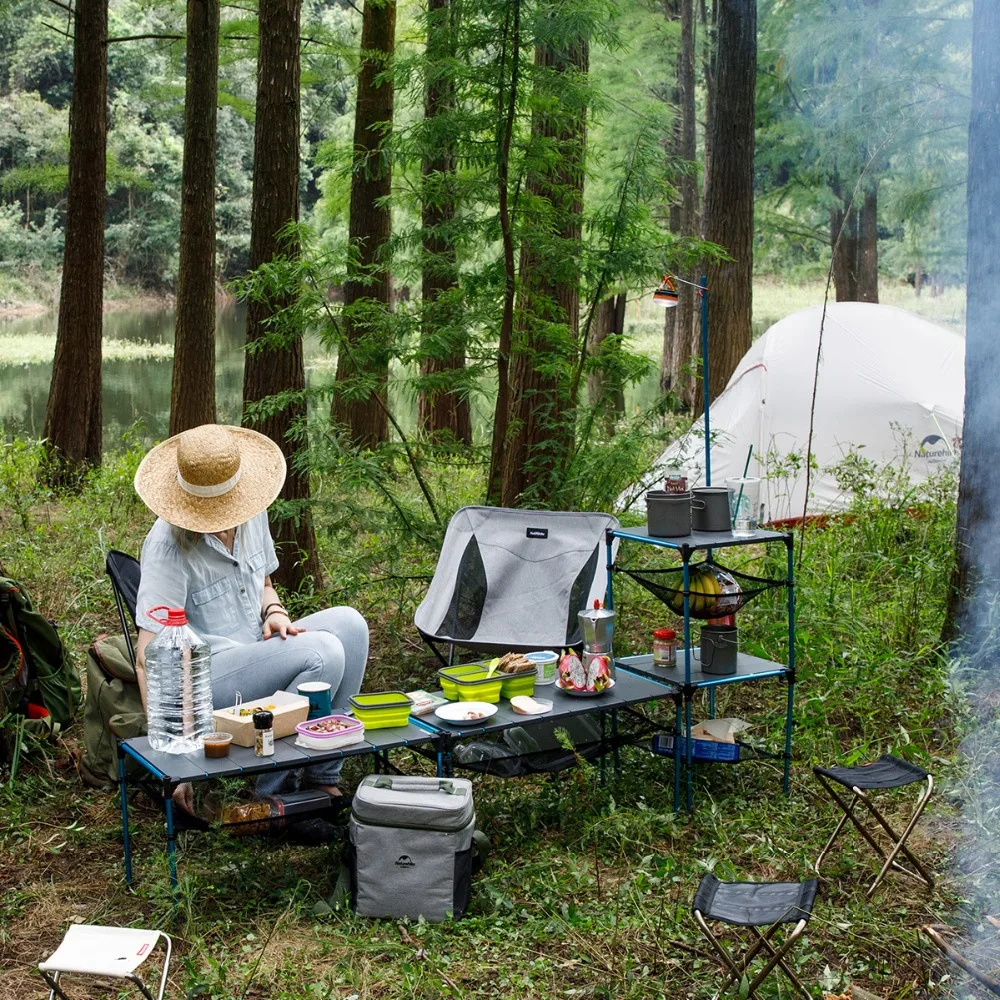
(570, 670)
(598, 673)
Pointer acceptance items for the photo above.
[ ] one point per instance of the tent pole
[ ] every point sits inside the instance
(704, 378)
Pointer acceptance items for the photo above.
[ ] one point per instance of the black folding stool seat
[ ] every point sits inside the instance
(886, 772)
(124, 573)
(755, 905)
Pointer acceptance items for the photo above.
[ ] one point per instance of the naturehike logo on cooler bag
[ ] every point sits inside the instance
(537, 533)
(404, 861)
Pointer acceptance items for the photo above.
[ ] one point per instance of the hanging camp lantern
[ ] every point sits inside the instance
(666, 294)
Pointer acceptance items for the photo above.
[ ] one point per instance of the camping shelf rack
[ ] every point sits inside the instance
(687, 677)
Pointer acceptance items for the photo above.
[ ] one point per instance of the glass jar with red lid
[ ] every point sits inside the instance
(664, 647)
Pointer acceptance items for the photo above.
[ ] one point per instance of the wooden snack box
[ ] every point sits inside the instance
(289, 710)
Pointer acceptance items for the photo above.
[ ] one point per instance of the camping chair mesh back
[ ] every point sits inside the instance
(514, 579)
(124, 573)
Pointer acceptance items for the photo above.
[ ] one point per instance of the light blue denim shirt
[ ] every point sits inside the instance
(221, 592)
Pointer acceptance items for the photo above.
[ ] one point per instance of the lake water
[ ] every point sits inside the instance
(136, 397)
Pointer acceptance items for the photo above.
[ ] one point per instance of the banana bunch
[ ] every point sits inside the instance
(706, 590)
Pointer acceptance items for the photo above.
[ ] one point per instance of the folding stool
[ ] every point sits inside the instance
(755, 905)
(114, 952)
(886, 772)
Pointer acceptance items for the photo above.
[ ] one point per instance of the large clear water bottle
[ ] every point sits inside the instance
(178, 685)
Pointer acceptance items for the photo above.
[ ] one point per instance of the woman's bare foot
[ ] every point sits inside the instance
(183, 797)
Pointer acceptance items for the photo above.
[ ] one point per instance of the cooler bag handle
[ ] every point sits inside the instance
(415, 783)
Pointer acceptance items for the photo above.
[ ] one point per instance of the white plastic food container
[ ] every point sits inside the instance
(545, 661)
(309, 734)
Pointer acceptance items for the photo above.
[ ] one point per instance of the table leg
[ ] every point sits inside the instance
(786, 782)
(604, 748)
(711, 702)
(617, 749)
(677, 753)
(688, 752)
(171, 834)
(123, 793)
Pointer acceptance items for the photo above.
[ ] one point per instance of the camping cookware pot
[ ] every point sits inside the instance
(668, 515)
(710, 508)
(718, 649)
(598, 626)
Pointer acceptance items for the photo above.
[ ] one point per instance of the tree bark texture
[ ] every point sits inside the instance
(360, 400)
(541, 423)
(73, 413)
(604, 388)
(443, 412)
(686, 334)
(978, 536)
(709, 21)
(844, 247)
(669, 365)
(507, 96)
(730, 191)
(192, 388)
(279, 367)
(868, 247)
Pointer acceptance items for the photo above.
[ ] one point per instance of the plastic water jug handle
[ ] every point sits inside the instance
(175, 616)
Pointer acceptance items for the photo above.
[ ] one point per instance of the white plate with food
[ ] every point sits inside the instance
(465, 713)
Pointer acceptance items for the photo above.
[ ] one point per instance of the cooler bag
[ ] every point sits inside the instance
(410, 847)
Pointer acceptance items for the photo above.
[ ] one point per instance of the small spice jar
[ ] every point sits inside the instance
(664, 647)
(263, 724)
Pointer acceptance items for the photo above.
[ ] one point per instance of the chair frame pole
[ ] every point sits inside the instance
(737, 971)
(898, 841)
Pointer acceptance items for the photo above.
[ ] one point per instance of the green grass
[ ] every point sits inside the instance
(588, 890)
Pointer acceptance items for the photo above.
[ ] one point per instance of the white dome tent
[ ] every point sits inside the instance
(889, 381)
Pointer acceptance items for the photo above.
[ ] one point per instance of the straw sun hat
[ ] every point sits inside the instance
(211, 478)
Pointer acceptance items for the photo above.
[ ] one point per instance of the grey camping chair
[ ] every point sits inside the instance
(124, 572)
(514, 580)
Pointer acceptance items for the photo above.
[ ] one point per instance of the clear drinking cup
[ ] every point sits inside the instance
(744, 504)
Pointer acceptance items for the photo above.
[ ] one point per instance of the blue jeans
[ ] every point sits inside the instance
(334, 648)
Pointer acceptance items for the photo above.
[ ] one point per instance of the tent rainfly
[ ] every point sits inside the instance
(891, 386)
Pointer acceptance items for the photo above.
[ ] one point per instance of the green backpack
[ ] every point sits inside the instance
(113, 710)
(35, 666)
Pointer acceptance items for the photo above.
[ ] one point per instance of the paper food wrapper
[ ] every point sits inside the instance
(719, 730)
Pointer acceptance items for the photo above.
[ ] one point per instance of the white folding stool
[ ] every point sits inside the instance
(116, 952)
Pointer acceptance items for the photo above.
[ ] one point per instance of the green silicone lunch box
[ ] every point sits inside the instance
(382, 710)
(447, 677)
(479, 687)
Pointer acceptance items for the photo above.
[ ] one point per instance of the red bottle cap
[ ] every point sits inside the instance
(664, 633)
(175, 616)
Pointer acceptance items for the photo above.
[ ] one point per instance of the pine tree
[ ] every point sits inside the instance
(276, 366)
(359, 402)
(442, 410)
(73, 425)
(192, 391)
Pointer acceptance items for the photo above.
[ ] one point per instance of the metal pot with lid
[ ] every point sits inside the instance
(598, 626)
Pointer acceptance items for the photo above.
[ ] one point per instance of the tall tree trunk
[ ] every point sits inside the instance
(507, 96)
(540, 435)
(670, 363)
(442, 410)
(278, 365)
(686, 337)
(868, 247)
(844, 247)
(73, 414)
(192, 388)
(359, 403)
(978, 572)
(730, 191)
(604, 387)
(709, 49)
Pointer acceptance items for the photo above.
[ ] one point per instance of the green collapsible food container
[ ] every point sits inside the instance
(517, 684)
(479, 686)
(382, 710)
(447, 677)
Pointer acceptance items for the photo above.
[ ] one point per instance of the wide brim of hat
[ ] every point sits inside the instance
(262, 474)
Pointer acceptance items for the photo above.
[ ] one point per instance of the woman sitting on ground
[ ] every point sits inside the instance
(210, 552)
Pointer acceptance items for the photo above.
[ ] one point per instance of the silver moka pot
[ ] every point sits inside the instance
(598, 625)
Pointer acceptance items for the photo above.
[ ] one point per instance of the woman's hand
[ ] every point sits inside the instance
(278, 623)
